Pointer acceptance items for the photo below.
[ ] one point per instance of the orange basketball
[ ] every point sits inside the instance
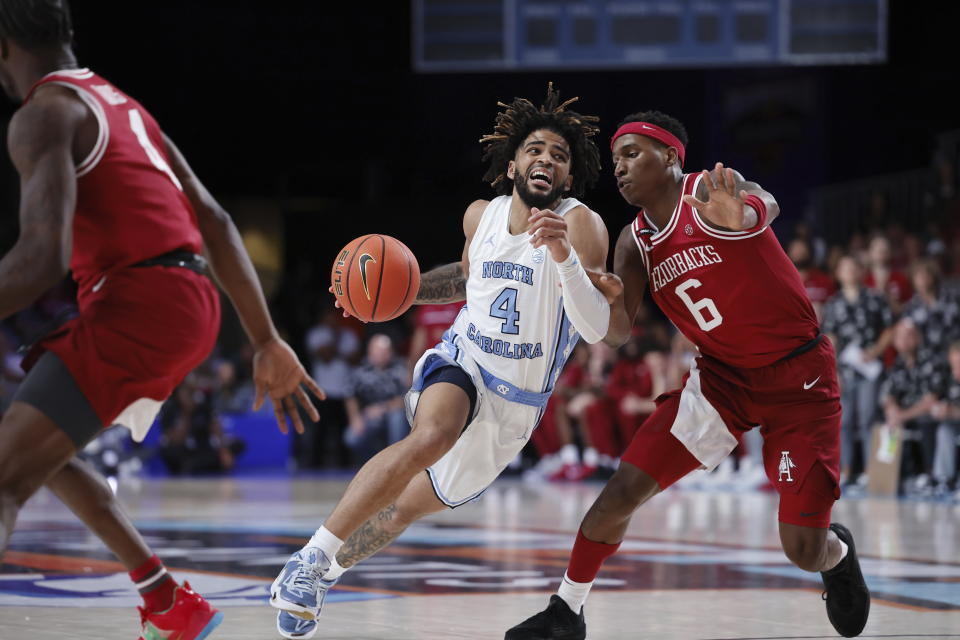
(375, 278)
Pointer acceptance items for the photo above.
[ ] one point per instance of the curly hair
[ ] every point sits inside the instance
(520, 118)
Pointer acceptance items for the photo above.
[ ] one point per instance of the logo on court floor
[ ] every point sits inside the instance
(785, 465)
(53, 566)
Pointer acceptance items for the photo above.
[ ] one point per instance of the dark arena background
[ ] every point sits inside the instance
(317, 122)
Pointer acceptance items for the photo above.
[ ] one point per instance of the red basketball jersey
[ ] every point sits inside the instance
(130, 204)
(735, 295)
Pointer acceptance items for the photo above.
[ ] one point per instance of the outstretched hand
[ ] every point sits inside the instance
(278, 373)
(725, 207)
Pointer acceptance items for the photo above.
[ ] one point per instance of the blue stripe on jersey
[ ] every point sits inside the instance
(546, 386)
(449, 334)
(567, 341)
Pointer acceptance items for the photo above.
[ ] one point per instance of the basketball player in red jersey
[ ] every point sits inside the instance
(701, 242)
(106, 194)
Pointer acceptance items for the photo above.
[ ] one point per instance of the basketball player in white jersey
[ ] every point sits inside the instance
(478, 395)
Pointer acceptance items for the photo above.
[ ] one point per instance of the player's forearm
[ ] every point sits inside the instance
(26, 272)
(228, 257)
(618, 332)
(586, 306)
(770, 203)
(235, 273)
(443, 284)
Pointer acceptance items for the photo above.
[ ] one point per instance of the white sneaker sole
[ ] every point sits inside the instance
(307, 613)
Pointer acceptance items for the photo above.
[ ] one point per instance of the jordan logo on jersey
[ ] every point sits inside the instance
(786, 464)
(681, 263)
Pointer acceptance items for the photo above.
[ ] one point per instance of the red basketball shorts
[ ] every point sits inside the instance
(796, 404)
(135, 339)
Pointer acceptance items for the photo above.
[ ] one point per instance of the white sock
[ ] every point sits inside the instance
(591, 457)
(843, 554)
(569, 454)
(574, 593)
(335, 570)
(326, 542)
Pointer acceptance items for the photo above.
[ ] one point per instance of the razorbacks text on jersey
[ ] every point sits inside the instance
(514, 323)
(734, 294)
(130, 204)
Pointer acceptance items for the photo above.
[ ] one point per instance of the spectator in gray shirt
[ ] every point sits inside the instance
(376, 410)
(333, 350)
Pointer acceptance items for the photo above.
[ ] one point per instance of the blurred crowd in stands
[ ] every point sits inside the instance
(887, 295)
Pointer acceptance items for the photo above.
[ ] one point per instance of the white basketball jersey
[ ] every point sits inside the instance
(513, 324)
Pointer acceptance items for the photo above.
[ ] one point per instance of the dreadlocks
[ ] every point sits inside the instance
(36, 23)
(520, 118)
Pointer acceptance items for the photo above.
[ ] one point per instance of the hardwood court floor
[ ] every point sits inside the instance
(698, 564)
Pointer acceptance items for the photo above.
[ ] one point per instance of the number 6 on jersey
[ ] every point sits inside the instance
(696, 308)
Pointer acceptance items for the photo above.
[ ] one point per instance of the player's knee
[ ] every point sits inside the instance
(627, 490)
(430, 440)
(806, 554)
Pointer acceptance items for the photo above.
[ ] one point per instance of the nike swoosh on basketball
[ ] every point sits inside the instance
(808, 385)
(364, 259)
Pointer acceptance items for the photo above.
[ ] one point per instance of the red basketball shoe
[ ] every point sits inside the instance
(190, 617)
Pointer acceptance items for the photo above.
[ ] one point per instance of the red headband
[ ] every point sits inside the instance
(651, 131)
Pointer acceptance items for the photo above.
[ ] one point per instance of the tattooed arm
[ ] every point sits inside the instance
(449, 282)
(443, 284)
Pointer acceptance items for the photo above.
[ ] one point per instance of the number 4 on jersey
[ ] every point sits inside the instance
(697, 307)
(505, 308)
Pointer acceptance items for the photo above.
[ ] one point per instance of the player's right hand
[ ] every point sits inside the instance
(609, 284)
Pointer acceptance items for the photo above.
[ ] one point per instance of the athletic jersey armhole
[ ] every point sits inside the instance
(103, 134)
(483, 224)
(640, 247)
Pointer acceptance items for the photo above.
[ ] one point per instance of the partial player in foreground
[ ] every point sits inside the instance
(701, 242)
(106, 194)
(478, 395)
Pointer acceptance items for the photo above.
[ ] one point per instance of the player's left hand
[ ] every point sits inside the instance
(278, 373)
(609, 284)
(550, 230)
(725, 207)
